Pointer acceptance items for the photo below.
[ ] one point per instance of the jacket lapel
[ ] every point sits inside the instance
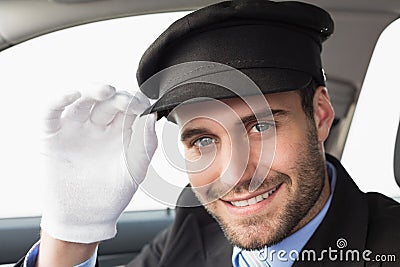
(218, 249)
(196, 240)
(205, 246)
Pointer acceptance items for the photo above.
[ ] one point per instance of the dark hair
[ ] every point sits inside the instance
(307, 97)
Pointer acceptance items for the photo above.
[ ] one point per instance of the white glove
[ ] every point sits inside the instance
(88, 184)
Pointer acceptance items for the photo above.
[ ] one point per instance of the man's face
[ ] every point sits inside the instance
(233, 146)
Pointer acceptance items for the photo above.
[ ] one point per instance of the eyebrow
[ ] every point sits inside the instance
(189, 133)
(254, 117)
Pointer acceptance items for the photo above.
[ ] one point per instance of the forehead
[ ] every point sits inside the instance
(228, 109)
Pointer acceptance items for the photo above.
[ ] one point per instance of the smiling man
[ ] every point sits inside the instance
(296, 186)
(268, 190)
(243, 81)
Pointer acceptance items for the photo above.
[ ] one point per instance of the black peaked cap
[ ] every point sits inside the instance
(276, 44)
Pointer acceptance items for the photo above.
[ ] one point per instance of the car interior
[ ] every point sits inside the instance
(346, 58)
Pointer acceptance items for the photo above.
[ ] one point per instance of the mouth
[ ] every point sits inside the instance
(254, 200)
(251, 204)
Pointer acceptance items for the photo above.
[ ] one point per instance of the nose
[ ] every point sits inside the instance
(262, 154)
(245, 160)
(234, 159)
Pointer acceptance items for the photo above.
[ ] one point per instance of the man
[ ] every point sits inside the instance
(268, 195)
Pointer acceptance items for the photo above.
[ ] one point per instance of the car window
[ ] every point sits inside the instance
(369, 152)
(35, 71)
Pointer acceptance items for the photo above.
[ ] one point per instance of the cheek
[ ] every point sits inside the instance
(202, 170)
(288, 149)
(204, 177)
(284, 153)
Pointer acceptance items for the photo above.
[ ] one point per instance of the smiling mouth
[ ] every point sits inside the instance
(254, 200)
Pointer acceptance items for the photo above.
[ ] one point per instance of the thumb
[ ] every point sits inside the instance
(142, 146)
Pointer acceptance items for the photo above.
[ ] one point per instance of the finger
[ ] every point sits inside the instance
(138, 104)
(122, 121)
(145, 131)
(150, 136)
(129, 119)
(52, 118)
(142, 97)
(118, 121)
(57, 106)
(98, 91)
(80, 111)
(143, 141)
(104, 112)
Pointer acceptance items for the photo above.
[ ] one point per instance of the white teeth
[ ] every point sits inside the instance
(253, 200)
(265, 195)
(242, 203)
(259, 198)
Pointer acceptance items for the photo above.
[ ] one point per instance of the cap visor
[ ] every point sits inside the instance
(268, 80)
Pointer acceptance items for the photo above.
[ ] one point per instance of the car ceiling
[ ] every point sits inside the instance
(358, 24)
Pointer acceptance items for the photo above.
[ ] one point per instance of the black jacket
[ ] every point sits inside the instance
(368, 221)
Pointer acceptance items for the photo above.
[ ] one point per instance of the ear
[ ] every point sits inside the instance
(323, 113)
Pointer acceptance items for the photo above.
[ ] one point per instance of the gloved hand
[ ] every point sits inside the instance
(88, 183)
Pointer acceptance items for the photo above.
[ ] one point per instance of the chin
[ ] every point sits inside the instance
(247, 233)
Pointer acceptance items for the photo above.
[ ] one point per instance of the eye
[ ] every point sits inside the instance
(204, 141)
(261, 127)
